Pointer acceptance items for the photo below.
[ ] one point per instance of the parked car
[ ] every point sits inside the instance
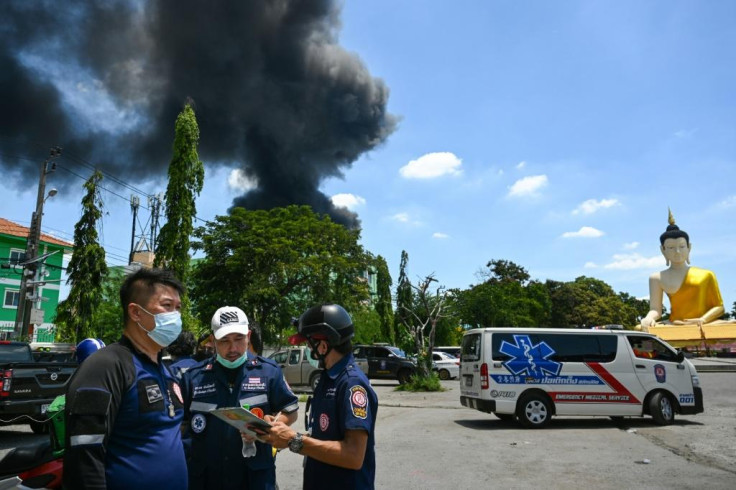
(453, 350)
(447, 366)
(386, 362)
(297, 368)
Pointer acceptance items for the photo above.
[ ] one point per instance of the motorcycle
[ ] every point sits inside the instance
(28, 467)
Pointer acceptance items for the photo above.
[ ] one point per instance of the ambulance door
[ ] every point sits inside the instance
(657, 366)
(470, 365)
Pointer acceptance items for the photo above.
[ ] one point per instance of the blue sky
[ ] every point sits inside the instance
(552, 134)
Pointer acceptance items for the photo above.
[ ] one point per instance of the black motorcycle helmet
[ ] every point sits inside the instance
(325, 322)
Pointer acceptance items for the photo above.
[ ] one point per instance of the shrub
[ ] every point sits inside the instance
(417, 383)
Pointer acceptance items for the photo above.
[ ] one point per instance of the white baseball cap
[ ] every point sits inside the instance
(229, 319)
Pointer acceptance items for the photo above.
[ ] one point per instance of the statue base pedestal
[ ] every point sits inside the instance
(685, 335)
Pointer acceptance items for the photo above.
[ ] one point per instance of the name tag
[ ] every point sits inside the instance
(202, 407)
(254, 400)
(204, 389)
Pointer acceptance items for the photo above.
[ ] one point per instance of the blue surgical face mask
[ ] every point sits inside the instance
(167, 329)
(233, 364)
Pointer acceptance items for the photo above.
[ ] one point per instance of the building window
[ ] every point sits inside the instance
(11, 298)
(17, 256)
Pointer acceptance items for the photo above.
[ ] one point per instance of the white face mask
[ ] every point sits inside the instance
(167, 329)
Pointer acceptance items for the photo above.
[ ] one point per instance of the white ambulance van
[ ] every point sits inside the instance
(531, 374)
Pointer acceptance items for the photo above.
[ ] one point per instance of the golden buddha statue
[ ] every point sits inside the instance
(695, 298)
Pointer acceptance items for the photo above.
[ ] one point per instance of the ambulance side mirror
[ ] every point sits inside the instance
(680, 357)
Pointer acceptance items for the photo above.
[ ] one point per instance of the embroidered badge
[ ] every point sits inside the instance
(359, 401)
(199, 422)
(324, 422)
(177, 392)
(660, 373)
(153, 393)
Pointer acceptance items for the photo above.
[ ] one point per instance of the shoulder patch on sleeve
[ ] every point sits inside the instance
(359, 401)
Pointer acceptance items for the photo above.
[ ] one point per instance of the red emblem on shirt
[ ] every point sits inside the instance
(324, 422)
(177, 392)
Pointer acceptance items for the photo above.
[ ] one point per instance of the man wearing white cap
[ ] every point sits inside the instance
(218, 458)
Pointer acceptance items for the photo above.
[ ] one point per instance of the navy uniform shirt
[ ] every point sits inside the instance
(123, 419)
(344, 400)
(215, 458)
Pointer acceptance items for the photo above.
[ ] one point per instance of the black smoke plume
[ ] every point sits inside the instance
(274, 92)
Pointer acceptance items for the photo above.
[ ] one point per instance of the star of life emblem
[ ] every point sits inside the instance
(199, 422)
(530, 360)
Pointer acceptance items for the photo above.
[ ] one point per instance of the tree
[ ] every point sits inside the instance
(404, 301)
(276, 263)
(186, 178)
(383, 304)
(506, 298)
(109, 314)
(421, 321)
(87, 269)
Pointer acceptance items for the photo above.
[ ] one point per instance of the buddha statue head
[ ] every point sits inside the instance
(675, 243)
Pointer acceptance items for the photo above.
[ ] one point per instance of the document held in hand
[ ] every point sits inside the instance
(243, 420)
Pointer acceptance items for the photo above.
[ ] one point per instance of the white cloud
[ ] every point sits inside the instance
(350, 201)
(591, 265)
(432, 165)
(686, 133)
(238, 181)
(729, 202)
(583, 232)
(521, 165)
(528, 186)
(401, 217)
(440, 235)
(635, 261)
(631, 246)
(591, 205)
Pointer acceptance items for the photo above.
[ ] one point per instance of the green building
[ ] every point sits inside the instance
(12, 251)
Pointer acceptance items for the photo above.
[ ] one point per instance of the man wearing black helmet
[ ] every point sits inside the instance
(339, 447)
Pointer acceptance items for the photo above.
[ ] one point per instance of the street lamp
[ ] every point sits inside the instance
(30, 264)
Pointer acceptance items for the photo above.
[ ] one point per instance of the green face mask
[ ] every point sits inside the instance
(232, 364)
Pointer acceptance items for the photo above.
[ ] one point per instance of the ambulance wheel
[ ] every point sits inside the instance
(661, 409)
(314, 380)
(444, 374)
(534, 411)
(506, 417)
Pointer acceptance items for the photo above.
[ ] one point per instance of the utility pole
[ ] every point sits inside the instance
(30, 264)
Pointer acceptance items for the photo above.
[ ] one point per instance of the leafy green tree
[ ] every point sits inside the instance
(586, 302)
(383, 305)
(186, 178)
(368, 326)
(404, 303)
(109, 315)
(506, 298)
(87, 269)
(275, 264)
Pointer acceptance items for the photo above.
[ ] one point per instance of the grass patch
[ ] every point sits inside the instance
(303, 397)
(417, 383)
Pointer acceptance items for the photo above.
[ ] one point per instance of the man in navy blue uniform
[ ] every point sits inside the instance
(339, 447)
(219, 456)
(123, 407)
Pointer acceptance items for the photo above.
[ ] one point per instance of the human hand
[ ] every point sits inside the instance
(279, 435)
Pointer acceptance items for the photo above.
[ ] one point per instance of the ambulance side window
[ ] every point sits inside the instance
(471, 348)
(580, 348)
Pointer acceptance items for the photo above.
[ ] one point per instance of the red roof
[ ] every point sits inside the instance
(14, 229)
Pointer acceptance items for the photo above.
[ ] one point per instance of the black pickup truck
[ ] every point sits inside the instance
(27, 387)
(386, 362)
